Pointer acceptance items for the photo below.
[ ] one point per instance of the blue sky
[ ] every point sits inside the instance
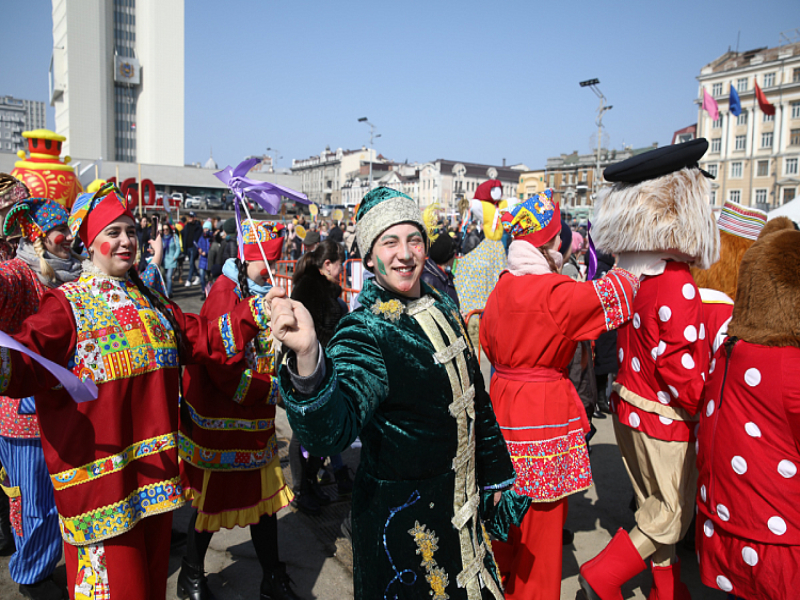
(471, 81)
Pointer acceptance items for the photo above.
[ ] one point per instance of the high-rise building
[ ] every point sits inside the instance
(117, 79)
(16, 116)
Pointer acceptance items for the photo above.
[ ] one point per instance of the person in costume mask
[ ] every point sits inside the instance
(231, 410)
(113, 462)
(532, 325)
(656, 217)
(401, 374)
(43, 261)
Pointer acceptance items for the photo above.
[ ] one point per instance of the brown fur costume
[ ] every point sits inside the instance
(767, 309)
(777, 224)
(723, 275)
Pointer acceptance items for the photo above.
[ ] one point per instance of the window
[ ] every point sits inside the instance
(735, 196)
(740, 142)
(716, 124)
(796, 75)
(741, 84)
(768, 118)
(736, 170)
(794, 137)
(716, 145)
(761, 196)
(790, 166)
(769, 80)
(713, 197)
(712, 169)
(766, 139)
(795, 110)
(716, 89)
(762, 168)
(788, 195)
(742, 118)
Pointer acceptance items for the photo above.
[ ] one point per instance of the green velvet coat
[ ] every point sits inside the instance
(401, 375)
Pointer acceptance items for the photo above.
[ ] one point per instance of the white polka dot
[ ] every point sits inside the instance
(739, 465)
(637, 322)
(712, 365)
(665, 420)
(664, 313)
(690, 333)
(702, 331)
(750, 556)
(703, 492)
(621, 355)
(787, 469)
(777, 525)
(663, 397)
(723, 512)
(673, 390)
(752, 429)
(697, 446)
(724, 583)
(634, 419)
(635, 364)
(703, 375)
(654, 352)
(687, 361)
(708, 528)
(752, 377)
(688, 291)
(710, 408)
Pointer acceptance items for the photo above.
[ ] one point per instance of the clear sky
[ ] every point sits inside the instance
(471, 81)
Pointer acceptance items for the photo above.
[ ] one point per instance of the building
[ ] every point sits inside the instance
(754, 156)
(687, 134)
(117, 79)
(16, 116)
(323, 177)
(448, 181)
(530, 183)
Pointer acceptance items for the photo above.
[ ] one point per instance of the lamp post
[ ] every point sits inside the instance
(371, 137)
(275, 160)
(592, 85)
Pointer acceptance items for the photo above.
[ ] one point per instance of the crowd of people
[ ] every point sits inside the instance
(681, 326)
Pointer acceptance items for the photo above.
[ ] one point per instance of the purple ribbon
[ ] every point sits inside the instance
(591, 268)
(81, 391)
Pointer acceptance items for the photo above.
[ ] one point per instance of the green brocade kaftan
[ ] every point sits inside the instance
(401, 374)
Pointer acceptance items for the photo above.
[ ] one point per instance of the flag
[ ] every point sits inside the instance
(734, 105)
(710, 105)
(766, 107)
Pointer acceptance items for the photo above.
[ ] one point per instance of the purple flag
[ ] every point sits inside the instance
(591, 268)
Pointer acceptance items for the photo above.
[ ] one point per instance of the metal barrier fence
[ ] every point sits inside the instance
(284, 271)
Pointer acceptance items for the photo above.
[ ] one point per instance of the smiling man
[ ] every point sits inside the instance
(401, 374)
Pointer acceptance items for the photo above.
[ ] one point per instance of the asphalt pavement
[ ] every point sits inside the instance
(319, 559)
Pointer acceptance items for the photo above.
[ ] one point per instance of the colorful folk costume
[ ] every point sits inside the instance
(532, 324)
(739, 226)
(24, 478)
(748, 522)
(657, 219)
(229, 453)
(477, 272)
(401, 374)
(113, 462)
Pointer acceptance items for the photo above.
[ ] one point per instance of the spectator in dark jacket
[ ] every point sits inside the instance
(335, 234)
(192, 232)
(605, 348)
(471, 240)
(436, 272)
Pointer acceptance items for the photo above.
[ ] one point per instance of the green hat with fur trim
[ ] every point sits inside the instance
(380, 209)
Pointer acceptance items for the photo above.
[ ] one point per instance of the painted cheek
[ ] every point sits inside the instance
(105, 248)
(59, 239)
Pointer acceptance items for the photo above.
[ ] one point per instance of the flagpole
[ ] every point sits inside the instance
(753, 142)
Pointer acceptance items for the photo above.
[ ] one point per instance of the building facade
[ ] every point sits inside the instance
(16, 116)
(446, 181)
(530, 183)
(117, 79)
(754, 156)
(323, 177)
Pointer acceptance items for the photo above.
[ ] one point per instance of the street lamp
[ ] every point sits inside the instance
(275, 161)
(592, 85)
(371, 137)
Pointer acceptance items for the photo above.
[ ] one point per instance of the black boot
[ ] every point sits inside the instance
(306, 502)
(192, 582)
(46, 589)
(344, 485)
(276, 584)
(7, 545)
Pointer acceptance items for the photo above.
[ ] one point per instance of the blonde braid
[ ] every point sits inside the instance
(47, 270)
(550, 262)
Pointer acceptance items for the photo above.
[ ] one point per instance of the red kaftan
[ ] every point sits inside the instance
(748, 526)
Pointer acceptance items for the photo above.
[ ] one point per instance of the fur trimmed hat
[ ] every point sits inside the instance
(670, 213)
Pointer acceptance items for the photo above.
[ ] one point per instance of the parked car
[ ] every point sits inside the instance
(214, 202)
(193, 202)
(177, 198)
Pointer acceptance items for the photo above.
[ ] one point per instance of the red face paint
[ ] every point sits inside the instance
(105, 247)
(264, 272)
(59, 239)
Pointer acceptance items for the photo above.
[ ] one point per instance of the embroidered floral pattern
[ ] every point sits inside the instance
(427, 545)
(228, 339)
(224, 424)
(115, 462)
(438, 580)
(391, 309)
(226, 460)
(114, 519)
(260, 316)
(5, 368)
(244, 386)
(610, 301)
(91, 582)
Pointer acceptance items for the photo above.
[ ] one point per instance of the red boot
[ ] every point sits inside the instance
(602, 577)
(667, 584)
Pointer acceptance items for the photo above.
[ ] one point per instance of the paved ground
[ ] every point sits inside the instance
(321, 566)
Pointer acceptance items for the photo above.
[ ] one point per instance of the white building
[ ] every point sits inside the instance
(16, 116)
(754, 156)
(323, 176)
(117, 79)
(448, 181)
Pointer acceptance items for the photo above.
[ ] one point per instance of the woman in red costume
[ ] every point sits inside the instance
(114, 461)
(530, 329)
(230, 412)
